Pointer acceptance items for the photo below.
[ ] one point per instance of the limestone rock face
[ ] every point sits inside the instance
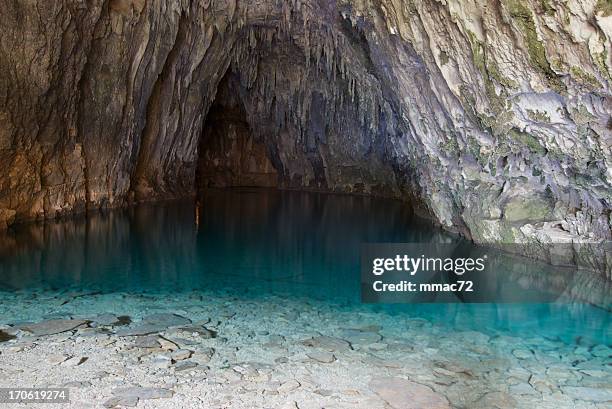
(493, 116)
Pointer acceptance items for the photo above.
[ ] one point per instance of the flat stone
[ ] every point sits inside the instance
(522, 353)
(602, 351)
(288, 386)
(185, 365)
(161, 361)
(166, 320)
(522, 389)
(378, 346)
(201, 331)
(167, 345)
(149, 341)
(355, 336)
(595, 373)
(181, 354)
(588, 394)
(50, 327)
(497, 400)
(118, 401)
(203, 356)
(144, 393)
(328, 343)
(320, 356)
(140, 330)
(366, 328)
(104, 320)
(403, 394)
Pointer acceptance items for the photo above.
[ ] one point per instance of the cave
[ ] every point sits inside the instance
(306, 204)
(230, 154)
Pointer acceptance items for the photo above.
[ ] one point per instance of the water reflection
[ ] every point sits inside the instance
(295, 242)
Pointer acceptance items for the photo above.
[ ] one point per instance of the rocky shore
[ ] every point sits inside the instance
(217, 350)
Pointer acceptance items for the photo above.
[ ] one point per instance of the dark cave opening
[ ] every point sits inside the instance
(230, 154)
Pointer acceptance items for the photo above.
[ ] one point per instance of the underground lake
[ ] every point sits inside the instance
(261, 287)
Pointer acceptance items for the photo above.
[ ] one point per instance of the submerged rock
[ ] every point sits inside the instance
(328, 343)
(185, 365)
(140, 330)
(403, 394)
(104, 320)
(201, 331)
(181, 354)
(147, 342)
(153, 324)
(4, 336)
(588, 394)
(355, 336)
(51, 327)
(288, 386)
(320, 356)
(166, 320)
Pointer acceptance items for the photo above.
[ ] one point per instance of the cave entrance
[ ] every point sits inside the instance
(229, 153)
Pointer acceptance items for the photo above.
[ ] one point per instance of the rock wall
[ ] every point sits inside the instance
(493, 116)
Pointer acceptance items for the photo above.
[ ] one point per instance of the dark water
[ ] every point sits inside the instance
(257, 242)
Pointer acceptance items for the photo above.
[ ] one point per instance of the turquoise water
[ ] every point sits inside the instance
(260, 243)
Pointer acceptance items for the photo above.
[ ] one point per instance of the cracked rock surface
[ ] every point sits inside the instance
(494, 117)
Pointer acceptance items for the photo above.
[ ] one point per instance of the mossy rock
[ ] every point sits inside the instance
(528, 140)
(523, 17)
(604, 8)
(528, 209)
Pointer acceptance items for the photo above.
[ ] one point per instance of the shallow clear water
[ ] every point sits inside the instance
(264, 243)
